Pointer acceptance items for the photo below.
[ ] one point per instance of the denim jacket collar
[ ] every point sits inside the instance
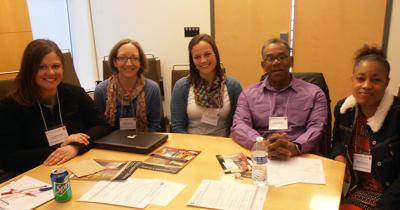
(376, 121)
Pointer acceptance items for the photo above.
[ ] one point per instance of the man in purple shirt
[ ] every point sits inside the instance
(288, 112)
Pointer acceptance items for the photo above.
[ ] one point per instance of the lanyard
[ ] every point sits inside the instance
(270, 103)
(59, 113)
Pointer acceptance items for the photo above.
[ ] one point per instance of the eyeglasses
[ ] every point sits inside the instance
(125, 59)
(280, 58)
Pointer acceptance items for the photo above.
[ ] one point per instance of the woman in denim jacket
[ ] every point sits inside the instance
(366, 136)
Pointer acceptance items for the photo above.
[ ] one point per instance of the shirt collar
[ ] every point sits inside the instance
(292, 85)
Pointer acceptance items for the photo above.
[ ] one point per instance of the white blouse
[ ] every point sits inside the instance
(195, 113)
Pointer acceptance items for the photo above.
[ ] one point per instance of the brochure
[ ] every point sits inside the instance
(235, 163)
(169, 159)
(113, 170)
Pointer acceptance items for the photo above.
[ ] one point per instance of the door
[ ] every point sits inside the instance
(241, 28)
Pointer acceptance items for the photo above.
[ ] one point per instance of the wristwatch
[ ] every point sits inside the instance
(298, 147)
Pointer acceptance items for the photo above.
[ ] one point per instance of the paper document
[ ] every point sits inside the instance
(229, 195)
(136, 193)
(295, 170)
(25, 193)
(167, 193)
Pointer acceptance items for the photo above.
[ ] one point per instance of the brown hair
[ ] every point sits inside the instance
(273, 41)
(26, 91)
(371, 53)
(194, 76)
(112, 57)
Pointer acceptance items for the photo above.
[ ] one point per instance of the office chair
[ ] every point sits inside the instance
(318, 79)
(70, 75)
(5, 87)
(178, 71)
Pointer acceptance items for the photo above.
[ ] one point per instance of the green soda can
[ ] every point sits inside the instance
(61, 185)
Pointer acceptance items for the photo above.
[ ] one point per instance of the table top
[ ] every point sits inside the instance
(204, 166)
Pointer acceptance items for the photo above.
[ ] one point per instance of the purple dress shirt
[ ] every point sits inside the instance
(303, 103)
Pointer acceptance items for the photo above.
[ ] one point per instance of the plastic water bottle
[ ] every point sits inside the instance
(259, 156)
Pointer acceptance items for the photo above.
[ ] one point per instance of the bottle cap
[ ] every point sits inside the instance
(259, 139)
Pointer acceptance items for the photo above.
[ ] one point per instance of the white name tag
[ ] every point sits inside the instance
(362, 162)
(57, 135)
(211, 117)
(127, 123)
(278, 123)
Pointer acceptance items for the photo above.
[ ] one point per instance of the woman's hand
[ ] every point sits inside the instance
(61, 155)
(77, 137)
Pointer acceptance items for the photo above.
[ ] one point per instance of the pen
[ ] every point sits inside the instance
(43, 189)
(14, 191)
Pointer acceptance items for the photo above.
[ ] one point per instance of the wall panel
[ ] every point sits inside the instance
(241, 27)
(15, 33)
(327, 33)
(14, 16)
(12, 48)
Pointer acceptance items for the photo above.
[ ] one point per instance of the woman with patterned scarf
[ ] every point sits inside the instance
(127, 99)
(366, 136)
(205, 101)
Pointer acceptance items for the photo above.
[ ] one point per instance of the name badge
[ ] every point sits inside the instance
(362, 162)
(127, 123)
(278, 123)
(211, 117)
(57, 135)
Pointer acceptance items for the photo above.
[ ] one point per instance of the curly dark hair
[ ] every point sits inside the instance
(368, 52)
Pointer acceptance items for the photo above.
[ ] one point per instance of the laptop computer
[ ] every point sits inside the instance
(131, 141)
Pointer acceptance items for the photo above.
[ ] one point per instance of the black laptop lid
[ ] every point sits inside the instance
(131, 141)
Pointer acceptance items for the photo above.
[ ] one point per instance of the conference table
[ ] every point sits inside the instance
(204, 166)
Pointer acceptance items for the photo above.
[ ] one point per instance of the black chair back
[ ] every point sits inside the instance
(5, 87)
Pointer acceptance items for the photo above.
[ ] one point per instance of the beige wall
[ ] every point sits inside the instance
(15, 33)
(241, 27)
(327, 33)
